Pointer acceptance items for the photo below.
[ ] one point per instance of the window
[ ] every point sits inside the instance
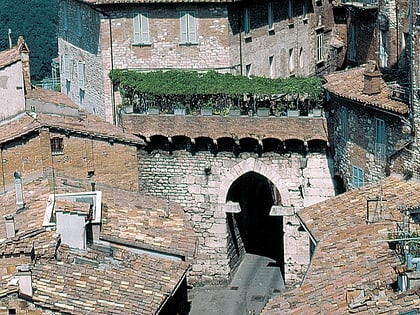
(141, 28)
(270, 16)
(188, 25)
(66, 72)
(247, 22)
(248, 70)
(358, 177)
(290, 9)
(380, 139)
(271, 65)
(66, 67)
(383, 49)
(301, 61)
(319, 47)
(57, 146)
(304, 9)
(344, 129)
(79, 21)
(81, 74)
(291, 60)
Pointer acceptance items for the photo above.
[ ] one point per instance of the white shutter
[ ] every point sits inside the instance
(66, 67)
(145, 37)
(136, 28)
(183, 16)
(192, 27)
(81, 74)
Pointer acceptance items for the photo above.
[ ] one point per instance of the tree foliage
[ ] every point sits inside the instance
(36, 21)
(196, 83)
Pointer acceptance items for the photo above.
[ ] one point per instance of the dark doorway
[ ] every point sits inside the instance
(258, 232)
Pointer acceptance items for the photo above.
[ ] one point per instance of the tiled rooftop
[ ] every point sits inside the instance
(283, 128)
(350, 255)
(126, 283)
(137, 284)
(80, 122)
(8, 57)
(349, 85)
(141, 221)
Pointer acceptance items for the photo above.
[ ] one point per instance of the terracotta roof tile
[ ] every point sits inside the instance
(283, 128)
(141, 221)
(349, 253)
(349, 84)
(7, 57)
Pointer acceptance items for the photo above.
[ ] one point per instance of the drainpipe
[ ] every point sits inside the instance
(240, 40)
(413, 131)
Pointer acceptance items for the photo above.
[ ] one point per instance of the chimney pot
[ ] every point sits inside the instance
(372, 78)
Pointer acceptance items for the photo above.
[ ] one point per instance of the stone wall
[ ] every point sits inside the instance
(113, 164)
(356, 146)
(181, 177)
(82, 44)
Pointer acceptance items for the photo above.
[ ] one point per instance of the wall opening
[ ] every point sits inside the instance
(253, 230)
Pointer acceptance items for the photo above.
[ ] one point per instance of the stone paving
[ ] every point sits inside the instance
(258, 279)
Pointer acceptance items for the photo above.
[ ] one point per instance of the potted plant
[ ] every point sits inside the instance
(207, 109)
(179, 109)
(234, 111)
(153, 110)
(263, 112)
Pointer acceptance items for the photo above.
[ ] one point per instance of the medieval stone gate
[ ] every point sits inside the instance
(203, 184)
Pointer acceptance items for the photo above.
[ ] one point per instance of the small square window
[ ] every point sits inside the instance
(57, 146)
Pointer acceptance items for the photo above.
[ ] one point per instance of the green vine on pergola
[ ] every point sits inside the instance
(210, 87)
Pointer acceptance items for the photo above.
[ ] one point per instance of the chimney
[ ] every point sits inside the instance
(24, 276)
(24, 57)
(372, 78)
(19, 191)
(10, 226)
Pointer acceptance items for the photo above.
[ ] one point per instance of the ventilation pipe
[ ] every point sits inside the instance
(10, 226)
(19, 190)
(24, 276)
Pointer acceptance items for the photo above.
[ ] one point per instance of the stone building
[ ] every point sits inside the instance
(15, 79)
(240, 180)
(268, 38)
(370, 127)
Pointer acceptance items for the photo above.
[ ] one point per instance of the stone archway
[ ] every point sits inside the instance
(252, 165)
(247, 195)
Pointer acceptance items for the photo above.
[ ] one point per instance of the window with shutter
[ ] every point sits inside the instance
(66, 67)
(270, 16)
(358, 177)
(380, 141)
(188, 27)
(247, 22)
(141, 28)
(81, 74)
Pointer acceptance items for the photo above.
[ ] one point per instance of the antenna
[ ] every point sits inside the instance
(10, 38)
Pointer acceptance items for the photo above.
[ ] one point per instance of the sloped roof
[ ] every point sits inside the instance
(349, 85)
(8, 57)
(89, 125)
(141, 221)
(350, 254)
(137, 284)
(124, 283)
